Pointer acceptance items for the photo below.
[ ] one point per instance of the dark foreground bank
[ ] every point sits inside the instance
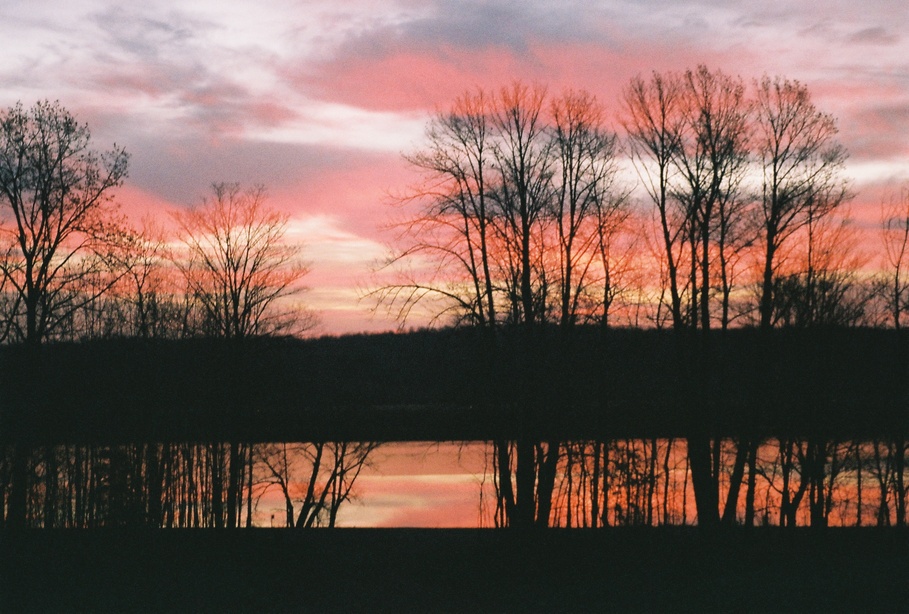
(352, 570)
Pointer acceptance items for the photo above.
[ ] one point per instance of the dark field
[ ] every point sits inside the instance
(351, 570)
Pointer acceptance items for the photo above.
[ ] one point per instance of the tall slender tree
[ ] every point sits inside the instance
(894, 285)
(801, 172)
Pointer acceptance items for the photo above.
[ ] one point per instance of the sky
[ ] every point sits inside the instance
(319, 100)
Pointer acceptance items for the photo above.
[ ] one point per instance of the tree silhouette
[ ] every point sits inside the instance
(893, 286)
(60, 218)
(320, 476)
(518, 216)
(652, 121)
(801, 165)
(237, 265)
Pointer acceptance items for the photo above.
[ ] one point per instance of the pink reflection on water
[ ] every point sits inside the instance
(429, 485)
(449, 485)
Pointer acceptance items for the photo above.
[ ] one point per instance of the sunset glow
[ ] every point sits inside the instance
(317, 101)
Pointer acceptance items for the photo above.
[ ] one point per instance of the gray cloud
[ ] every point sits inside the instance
(146, 37)
(180, 169)
(878, 132)
(477, 25)
(875, 36)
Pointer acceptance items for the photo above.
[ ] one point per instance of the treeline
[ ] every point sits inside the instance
(527, 231)
(72, 267)
(796, 482)
(449, 385)
(186, 485)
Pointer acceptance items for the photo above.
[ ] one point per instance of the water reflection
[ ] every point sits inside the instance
(638, 482)
(451, 484)
(421, 485)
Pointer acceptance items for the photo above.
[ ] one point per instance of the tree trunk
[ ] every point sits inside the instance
(50, 487)
(735, 482)
(666, 473)
(752, 481)
(506, 490)
(595, 486)
(651, 481)
(705, 489)
(233, 485)
(154, 486)
(899, 469)
(546, 483)
(249, 490)
(858, 483)
(18, 500)
(525, 500)
(217, 486)
(767, 282)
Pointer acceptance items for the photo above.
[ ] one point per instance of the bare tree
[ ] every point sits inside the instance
(148, 292)
(587, 207)
(454, 228)
(801, 165)
(516, 219)
(710, 162)
(894, 284)
(821, 287)
(524, 160)
(237, 263)
(57, 195)
(689, 136)
(517, 206)
(319, 476)
(652, 119)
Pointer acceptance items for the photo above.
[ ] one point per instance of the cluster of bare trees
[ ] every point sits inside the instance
(734, 179)
(317, 476)
(521, 212)
(723, 203)
(528, 215)
(71, 267)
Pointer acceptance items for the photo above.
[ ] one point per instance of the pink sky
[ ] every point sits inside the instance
(317, 100)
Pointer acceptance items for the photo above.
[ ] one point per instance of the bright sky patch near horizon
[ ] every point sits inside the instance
(318, 100)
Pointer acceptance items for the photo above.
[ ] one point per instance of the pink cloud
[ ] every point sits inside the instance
(428, 79)
(410, 78)
(358, 192)
(138, 204)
